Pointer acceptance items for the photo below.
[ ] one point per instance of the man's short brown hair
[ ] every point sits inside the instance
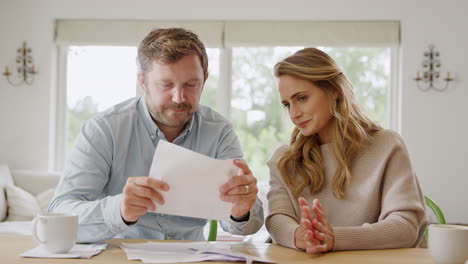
(169, 45)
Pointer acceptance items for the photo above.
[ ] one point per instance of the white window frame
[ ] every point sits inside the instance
(394, 95)
(58, 149)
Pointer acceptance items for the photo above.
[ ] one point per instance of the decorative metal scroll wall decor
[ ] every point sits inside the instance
(25, 69)
(431, 72)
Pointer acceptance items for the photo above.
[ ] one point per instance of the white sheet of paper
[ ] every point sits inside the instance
(194, 181)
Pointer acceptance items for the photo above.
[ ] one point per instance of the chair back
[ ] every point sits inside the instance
(437, 212)
(213, 230)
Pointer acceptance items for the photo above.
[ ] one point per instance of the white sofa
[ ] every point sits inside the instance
(24, 194)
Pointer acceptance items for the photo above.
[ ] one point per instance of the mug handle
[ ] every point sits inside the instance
(34, 231)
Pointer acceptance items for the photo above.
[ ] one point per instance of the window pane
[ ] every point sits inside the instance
(257, 115)
(208, 96)
(369, 72)
(97, 78)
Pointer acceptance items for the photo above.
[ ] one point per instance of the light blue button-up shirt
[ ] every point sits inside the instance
(120, 143)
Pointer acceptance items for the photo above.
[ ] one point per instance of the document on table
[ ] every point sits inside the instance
(161, 252)
(194, 181)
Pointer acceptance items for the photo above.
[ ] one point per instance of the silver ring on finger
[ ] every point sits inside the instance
(247, 188)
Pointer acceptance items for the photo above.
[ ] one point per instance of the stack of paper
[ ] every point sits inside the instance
(160, 252)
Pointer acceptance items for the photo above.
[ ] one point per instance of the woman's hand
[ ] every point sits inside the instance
(314, 234)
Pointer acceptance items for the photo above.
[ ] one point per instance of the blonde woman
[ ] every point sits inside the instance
(343, 182)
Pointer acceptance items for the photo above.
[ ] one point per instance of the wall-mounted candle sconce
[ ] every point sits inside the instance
(25, 68)
(431, 74)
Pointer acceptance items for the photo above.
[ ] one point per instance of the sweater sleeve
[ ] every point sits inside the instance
(402, 219)
(282, 221)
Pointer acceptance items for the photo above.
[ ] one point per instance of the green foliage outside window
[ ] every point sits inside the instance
(208, 96)
(369, 72)
(255, 92)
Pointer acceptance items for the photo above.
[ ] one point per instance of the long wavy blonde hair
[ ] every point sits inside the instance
(301, 165)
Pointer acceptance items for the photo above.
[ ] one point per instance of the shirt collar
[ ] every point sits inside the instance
(187, 129)
(151, 126)
(147, 120)
(189, 126)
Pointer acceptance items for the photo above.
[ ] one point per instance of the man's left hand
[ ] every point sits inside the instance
(241, 190)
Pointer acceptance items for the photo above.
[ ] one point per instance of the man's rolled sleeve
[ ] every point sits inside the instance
(112, 216)
(248, 227)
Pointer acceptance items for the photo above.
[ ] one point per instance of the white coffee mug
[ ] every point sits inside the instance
(55, 232)
(448, 243)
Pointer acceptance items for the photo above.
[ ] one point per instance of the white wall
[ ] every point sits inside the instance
(433, 124)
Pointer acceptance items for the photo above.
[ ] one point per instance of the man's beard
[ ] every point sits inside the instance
(176, 120)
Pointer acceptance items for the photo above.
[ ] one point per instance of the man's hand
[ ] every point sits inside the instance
(241, 190)
(138, 196)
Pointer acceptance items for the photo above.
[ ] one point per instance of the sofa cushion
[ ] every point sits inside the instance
(23, 206)
(35, 182)
(3, 204)
(5, 176)
(5, 179)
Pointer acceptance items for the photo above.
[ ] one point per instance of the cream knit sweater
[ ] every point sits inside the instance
(383, 206)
